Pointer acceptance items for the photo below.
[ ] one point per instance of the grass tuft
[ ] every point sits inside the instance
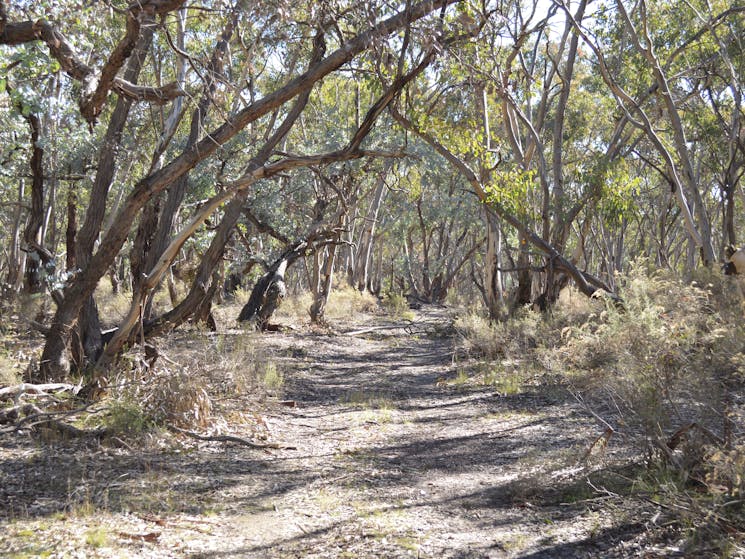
(665, 374)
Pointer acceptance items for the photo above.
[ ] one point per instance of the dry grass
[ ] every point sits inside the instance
(665, 373)
(344, 302)
(10, 368)
(480, 338)
(197, 370)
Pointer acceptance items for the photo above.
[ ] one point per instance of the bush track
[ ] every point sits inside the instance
(393, 456)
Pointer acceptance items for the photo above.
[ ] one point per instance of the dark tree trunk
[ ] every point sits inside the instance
(266, 296)
(89, 325)
(33, 282)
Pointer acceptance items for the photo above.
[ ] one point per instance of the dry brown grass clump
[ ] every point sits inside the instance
(665, 375)
(196, 371)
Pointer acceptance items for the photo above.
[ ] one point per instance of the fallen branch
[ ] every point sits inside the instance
(375, 328)
(682, 433)
(27, 414)
(229, 439)
(148, 537)
(15, 392)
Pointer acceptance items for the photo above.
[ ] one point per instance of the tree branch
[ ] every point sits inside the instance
(95, 85)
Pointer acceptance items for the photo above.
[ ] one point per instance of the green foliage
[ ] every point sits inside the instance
(511, 190)
(127, 417)
(619, 191)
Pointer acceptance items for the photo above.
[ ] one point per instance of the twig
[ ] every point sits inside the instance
(374, 328)
(602, 439)
(33, 412)
(229, 439)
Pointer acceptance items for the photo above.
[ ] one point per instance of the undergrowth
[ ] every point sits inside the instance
(184, 393)
(663, 376)
(344, 301)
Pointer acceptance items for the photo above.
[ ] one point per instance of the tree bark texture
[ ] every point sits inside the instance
(33, 282)
(54, 360)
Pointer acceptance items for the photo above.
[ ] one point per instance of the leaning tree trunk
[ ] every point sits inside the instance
(157, 234)
(266, 295)
(203, 286)
(270, 290)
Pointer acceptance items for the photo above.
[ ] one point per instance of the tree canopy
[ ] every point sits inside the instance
(488, 150)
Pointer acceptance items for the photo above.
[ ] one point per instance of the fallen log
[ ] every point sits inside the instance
(15, 392)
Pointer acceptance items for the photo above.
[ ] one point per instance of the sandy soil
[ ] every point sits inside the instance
(394, 453)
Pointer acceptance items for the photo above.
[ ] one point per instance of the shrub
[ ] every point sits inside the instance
(511, 339)
(395, 304)
(663, 372)
(666, 373)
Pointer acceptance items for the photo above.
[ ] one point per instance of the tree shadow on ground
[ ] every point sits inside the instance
(501, 447)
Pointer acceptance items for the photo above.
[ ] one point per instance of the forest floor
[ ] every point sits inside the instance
(387, 449)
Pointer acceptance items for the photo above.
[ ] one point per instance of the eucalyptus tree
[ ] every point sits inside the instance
(274, 106)
(655, 60)
(435, 226)
(520, 137)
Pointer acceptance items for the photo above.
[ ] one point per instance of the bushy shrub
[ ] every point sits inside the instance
(660, 362)
(395, 304)
(665, 372)
(514, 339)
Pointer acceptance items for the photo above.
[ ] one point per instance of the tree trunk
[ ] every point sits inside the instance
(89, 324)
(202, 287)
(16, 258)
(72, 228)
(266, 295)
(493, 289)
(363, 258)
(33, 282)
(323, 276)
(524, 292)
(157, 234)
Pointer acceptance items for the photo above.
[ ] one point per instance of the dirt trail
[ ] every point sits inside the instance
(394, 457)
